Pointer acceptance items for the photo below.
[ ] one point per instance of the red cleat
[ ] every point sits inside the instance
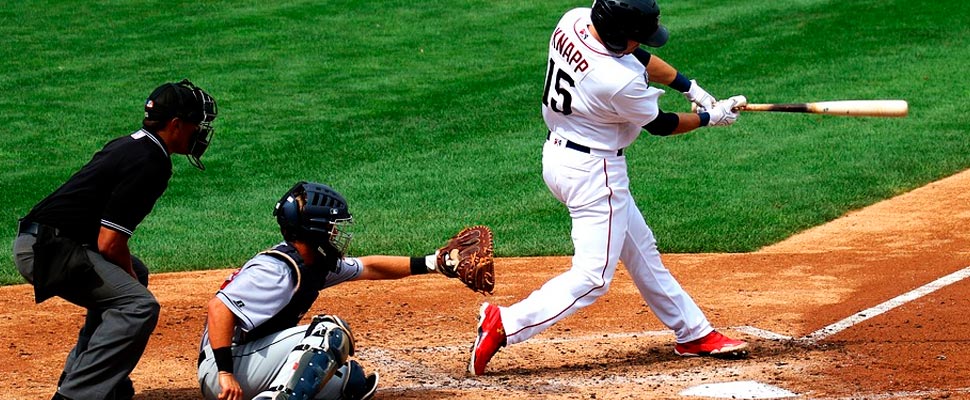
(713, 345)
(491, 336)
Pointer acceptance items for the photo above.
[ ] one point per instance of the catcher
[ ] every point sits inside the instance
(253, 345)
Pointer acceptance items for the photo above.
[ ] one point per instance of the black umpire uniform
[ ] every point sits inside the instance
(74, 243)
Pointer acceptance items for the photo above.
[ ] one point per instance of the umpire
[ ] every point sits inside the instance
(74, 243)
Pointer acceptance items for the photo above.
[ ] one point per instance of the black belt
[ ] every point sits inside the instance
(578, 147)
(33, 228)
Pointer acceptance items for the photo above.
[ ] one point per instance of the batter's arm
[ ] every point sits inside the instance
(660, 71)
(667, 124)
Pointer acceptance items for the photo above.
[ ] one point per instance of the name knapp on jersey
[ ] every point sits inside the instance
(569, 51)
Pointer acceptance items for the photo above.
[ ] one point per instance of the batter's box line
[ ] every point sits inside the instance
(863, 315)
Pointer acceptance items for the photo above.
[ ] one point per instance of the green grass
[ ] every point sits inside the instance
(425, 115)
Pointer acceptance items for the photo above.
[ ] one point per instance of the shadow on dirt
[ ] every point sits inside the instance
(170, 394)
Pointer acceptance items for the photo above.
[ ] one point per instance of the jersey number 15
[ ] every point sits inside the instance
(562, 95)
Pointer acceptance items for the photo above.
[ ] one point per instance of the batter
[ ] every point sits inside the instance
(596, 100)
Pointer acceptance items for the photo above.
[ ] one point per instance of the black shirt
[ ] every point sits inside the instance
(116, 189)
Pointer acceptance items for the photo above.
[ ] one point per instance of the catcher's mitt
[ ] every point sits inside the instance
(468, 257)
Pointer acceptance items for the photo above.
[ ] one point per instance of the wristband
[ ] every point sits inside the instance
(418, 266)
(705, 118)
(223, 356)
(680, 83)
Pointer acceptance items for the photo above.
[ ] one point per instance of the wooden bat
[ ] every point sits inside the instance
(852, 108)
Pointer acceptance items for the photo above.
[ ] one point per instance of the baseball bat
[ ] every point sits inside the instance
(852, 108)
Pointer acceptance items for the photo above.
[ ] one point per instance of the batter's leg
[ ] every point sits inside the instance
(597, 198)
(660, 290)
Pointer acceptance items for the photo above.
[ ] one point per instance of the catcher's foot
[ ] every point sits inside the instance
(491, 336)
(713, 345)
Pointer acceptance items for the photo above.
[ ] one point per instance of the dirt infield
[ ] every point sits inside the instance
(851, 309)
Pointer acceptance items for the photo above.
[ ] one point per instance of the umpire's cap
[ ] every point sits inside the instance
(182, 99)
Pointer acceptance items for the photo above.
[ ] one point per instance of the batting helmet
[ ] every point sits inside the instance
(617, 21)
(316, 214)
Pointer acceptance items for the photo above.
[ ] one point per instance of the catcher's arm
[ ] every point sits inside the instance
(384, 267)
(222, 323)
(467, 256)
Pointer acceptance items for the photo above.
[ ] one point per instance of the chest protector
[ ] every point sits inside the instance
(309, 282)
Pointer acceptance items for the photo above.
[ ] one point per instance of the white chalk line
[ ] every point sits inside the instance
(889, 305)
(761, 333)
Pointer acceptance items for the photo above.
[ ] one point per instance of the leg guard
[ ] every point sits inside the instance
(334, 320)
(350, 383)
(313, 362)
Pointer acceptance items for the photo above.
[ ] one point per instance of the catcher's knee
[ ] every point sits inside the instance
(311, 364)
(336, 334)
(350, 383)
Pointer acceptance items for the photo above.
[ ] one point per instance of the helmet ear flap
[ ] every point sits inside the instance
(287, 211)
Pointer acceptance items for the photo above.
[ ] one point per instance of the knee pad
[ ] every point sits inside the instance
(326, 346)
(350, 383)
(335, 333)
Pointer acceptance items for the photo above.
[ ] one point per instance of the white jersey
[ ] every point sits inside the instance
(264, 285)
(592, 97)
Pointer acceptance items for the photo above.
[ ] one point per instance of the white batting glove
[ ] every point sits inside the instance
(725, 112)
(697, 95)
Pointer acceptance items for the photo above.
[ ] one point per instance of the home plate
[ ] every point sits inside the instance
(738, 390)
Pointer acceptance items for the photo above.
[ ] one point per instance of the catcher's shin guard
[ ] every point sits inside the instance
(312, 362)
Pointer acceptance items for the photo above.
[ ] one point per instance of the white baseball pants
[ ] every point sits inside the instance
(607, 227)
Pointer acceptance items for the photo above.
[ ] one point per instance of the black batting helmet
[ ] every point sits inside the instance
(617, 21)
(316, 214)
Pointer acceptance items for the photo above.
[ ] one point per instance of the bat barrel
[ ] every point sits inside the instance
(855, 108)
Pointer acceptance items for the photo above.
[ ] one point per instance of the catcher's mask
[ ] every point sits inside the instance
(617, 21)
(187, 102)
(317, 215)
